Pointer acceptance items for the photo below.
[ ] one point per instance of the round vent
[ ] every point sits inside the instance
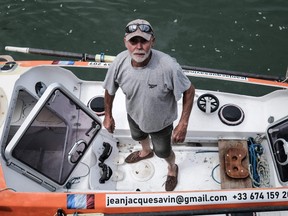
(231, 114)
(40, 88)
(208, 103)
(96, 104)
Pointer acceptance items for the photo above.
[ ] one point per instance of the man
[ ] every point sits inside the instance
(152, 82)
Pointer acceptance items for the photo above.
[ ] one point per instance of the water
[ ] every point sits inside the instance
(247, 35)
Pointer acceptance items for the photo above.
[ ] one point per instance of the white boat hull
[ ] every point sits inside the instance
(197, 157)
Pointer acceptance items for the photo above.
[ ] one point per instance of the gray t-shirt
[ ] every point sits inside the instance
(151, 92)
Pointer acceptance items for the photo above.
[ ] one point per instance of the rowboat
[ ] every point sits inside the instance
(57, 159)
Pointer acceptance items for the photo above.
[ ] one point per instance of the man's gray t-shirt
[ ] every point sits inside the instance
(151, 92)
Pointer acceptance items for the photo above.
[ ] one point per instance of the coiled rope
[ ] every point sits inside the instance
(258, 168)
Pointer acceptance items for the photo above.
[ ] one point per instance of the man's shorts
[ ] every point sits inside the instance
(161, 140)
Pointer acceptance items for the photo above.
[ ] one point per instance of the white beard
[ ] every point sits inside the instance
(140, 59)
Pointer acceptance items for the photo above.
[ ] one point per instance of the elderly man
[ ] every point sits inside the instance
(152, 82)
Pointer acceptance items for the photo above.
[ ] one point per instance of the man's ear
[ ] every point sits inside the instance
(153, 41)
(124, 40)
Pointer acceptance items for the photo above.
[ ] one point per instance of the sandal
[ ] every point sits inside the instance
(135, 157)
(171, 181)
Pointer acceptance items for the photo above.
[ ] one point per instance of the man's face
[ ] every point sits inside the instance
(139, 48)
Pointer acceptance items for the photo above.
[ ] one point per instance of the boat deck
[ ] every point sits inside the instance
(196, 171)
(200, 158)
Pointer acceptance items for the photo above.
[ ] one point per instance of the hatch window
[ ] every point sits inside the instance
(54, 137)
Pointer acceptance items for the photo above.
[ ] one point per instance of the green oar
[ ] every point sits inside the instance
(83, 56)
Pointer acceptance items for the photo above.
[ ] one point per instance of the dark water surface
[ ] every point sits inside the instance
(246, 35)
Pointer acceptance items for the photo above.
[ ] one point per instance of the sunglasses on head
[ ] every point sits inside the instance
(143, 27)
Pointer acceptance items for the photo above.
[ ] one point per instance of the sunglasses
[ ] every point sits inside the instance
(143, 27)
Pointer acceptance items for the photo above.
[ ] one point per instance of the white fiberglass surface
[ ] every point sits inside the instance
(198, 170)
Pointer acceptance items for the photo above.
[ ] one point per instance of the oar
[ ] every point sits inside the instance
(189, 70)
(230, 74)
(83, 56)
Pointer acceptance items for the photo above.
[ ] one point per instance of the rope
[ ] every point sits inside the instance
(4, 189)
(213, 170)
(258, 168)
(76, 180)
(212, 174)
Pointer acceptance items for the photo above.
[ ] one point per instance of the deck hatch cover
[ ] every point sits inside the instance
(42, 144)
(277, 134)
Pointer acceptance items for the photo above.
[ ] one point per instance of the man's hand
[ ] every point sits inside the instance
(109, 124)
(179, 133)
(180, 130)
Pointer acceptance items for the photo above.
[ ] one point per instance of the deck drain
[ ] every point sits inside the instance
(142, 171)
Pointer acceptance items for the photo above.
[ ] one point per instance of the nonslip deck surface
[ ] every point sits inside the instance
(195, 172)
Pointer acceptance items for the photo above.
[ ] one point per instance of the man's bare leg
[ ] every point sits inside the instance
(171, 164)
(146, 148)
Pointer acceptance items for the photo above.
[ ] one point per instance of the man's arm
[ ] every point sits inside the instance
(180, 130)
(109, 122)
